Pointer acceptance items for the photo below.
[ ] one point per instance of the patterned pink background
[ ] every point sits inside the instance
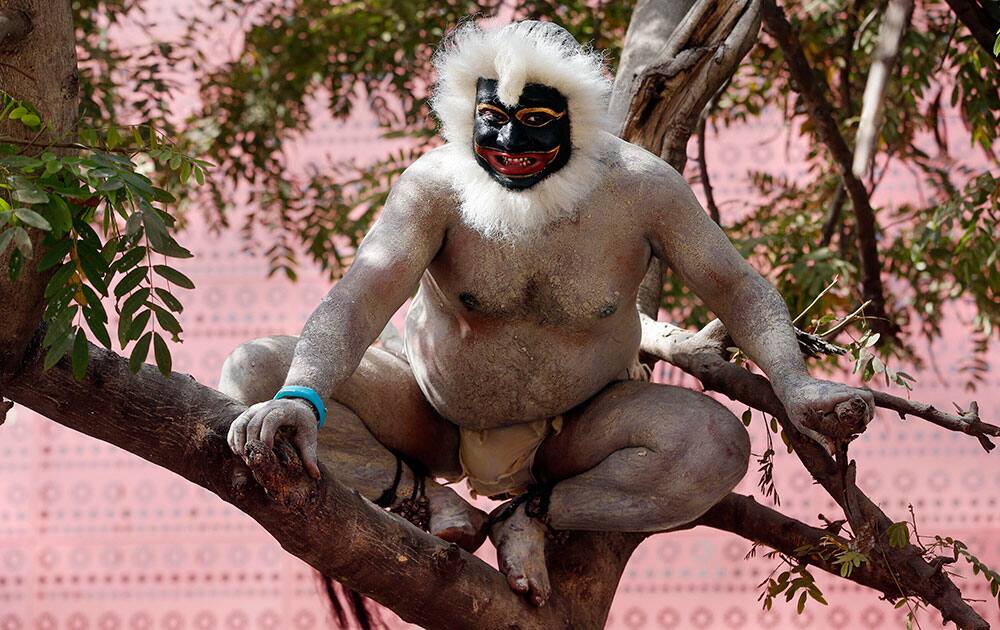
(93, 537)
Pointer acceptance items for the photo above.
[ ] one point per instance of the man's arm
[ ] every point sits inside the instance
(683, 236)
(388, 265)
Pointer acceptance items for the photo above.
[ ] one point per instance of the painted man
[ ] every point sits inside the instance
(526, 237)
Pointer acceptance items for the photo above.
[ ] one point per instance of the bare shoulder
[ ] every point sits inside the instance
(652, 186)
(423, 191)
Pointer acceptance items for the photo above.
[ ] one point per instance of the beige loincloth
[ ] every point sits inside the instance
(499, 461)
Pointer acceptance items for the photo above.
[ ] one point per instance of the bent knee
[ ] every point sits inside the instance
(256, 369)
(699, 435)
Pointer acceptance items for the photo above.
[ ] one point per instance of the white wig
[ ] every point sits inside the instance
(515, 55)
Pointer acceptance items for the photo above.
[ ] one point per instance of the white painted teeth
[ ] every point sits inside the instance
(518, 161)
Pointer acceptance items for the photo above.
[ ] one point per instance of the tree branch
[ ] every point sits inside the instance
(706, 184)
(967, 421)
(979, 21)
(890, 36)
(698, 354)
(181, 425)
(672, 90)
(833, 219)
(812, 90)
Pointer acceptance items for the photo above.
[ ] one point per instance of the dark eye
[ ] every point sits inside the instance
(537, 119)
(492, 116)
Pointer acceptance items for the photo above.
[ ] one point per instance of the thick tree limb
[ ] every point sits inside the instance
(890, 36)
(181, 425)
(699, 354)
(47, 49)
(813, 90)
(670, 93)
(981, 23)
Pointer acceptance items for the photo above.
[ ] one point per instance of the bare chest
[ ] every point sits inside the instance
(574, 278)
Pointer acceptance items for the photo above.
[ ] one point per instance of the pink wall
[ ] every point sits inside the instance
(92, 537)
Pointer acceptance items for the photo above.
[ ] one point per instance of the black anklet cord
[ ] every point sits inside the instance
(388, 497)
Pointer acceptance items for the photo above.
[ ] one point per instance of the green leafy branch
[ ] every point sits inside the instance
(100, 222)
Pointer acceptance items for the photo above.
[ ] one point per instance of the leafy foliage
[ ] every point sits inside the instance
(105, 227)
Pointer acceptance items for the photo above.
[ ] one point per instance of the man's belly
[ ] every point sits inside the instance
(486, 374)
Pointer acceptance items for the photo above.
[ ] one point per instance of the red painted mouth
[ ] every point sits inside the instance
(517, 164)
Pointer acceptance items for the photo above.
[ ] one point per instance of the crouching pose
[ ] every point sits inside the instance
(528, 234)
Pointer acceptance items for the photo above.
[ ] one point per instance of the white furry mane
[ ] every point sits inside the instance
(515, 55)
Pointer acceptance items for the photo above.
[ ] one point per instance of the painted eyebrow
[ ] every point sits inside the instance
(527, 111)
(492, 108)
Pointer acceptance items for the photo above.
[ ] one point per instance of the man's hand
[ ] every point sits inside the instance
(829, 409)
(262, 421)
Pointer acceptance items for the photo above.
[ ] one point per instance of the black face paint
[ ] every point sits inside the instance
(520, 146)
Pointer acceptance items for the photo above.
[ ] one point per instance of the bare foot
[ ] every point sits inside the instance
(454, 520)
(520, 543)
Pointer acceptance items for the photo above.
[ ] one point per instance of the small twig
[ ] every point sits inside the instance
(890, 36)
(833, 219)
(706, 184)
(816, 300)
(62, 145)
(24, 74)
(967, 421)
(844, 322)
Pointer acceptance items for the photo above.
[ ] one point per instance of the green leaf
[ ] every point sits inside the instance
(170, 300)
(801, 606)
(172, 275)
(97, 321)
(130, 259)
(30, 196)
(17, 113)
(22, 241)
(31, 120)
(81, 355)
(32, 218)
(134, 301)
(94, 266)
(139, 324)
(162, 353)
(5, 239)
(59, 280)
(130, 281)
(139, 353)
(58, 351)
(167, 320)
(159, 237)
(59, 216)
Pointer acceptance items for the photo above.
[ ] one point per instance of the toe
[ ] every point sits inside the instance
(518, 583)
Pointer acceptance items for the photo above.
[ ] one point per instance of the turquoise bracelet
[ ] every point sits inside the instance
(307, 394)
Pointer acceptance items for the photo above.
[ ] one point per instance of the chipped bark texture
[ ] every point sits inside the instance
(37, 65)
(668, 96)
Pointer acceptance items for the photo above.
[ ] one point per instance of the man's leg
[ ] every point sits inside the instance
(379, 410)
(638, 457)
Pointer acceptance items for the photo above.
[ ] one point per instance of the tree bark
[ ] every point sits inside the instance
(983, 24)
(38, 65)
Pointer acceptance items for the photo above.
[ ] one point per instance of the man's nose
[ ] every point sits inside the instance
(513, 137)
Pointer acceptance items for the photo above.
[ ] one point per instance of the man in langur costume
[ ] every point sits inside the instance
(528, 234)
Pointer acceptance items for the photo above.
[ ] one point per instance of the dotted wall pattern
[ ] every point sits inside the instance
(92, 537)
